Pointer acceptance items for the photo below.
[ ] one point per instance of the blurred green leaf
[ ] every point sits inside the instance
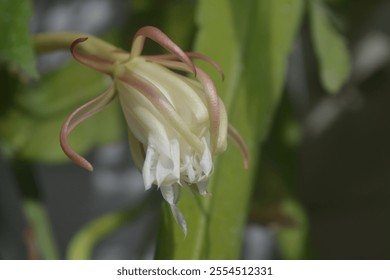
(178, 20)
(174, 17)
(330, 47)
(277, 175)
(251, 40)
(15, 46)
(30, 129)
(38, 219)
(83, 243)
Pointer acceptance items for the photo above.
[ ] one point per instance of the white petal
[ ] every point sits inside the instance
(206, 162)
(168, 168)
(179, 218)
(190, 169)
(149, 168)
(175, 156)
(144, 120)
(223, 128)
(170, 193)
(176, 89)
(136, 150)
(130, 99)
(164, 171)
(202, 187)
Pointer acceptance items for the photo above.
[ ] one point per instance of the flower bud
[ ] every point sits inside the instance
(176, 124)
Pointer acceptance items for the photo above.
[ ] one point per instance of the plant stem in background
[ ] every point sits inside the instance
(38, 233)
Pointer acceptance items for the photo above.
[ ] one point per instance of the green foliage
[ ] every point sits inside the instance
(274, 201)
(292, 238)
(251, 41)
(331, 48)
(15, 46)
(30, 128)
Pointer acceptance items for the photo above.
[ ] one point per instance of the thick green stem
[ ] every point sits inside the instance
(49, 42)
(55, 41)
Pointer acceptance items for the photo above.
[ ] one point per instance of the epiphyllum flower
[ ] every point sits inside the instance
(176, 124)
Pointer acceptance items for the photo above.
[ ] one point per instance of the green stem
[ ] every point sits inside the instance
(39, 222)
(49, 42)
(55, 41)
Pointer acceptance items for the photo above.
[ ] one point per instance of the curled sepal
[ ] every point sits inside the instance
(79, 115)
(99, 64)
(208, 60)
(164, 58)
(240, 143)
(159, 37)
(213, 104)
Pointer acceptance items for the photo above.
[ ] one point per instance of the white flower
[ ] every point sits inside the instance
(176, 124)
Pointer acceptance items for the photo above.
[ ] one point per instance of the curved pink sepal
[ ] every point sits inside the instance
(159, 37)
(95, 62)
(79, 115)
(167, 57)
(240, 143)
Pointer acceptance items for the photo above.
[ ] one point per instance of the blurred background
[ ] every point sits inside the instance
(321, 186)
